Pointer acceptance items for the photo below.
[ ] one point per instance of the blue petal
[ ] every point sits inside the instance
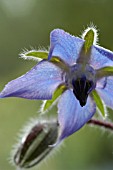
(65, 46)
(71, 115)
(39, 83)
(106, 92)
(101, 57)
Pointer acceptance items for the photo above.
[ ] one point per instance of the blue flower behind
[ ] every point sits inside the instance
(78, 64)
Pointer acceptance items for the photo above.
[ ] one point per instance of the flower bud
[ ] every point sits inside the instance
(35, 144)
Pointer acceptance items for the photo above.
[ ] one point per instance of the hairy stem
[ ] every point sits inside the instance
(105, 124)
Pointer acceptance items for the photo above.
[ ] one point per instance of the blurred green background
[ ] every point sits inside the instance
(26, 24)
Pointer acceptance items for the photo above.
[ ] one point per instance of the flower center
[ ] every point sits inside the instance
(81, 89)
(82, 81)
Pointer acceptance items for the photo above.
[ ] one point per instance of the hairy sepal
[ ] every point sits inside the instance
(100, 104)
(34, 55)
(49, 103)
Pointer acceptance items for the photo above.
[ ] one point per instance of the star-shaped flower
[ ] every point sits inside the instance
(78, 73)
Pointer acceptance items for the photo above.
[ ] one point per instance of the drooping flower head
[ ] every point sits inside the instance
(78, 75)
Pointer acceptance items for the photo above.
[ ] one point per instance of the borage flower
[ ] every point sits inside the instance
(78, 74)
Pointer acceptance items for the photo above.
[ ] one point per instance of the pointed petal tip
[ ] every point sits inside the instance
(52, 146)
(57, 30)
(1, 96)
(58, 142)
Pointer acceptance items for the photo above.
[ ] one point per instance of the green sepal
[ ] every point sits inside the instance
(39, 54)
(89, 39)
(35, 55)
(104, 72)
(60, 63)
(99, 103)
(56, 94)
